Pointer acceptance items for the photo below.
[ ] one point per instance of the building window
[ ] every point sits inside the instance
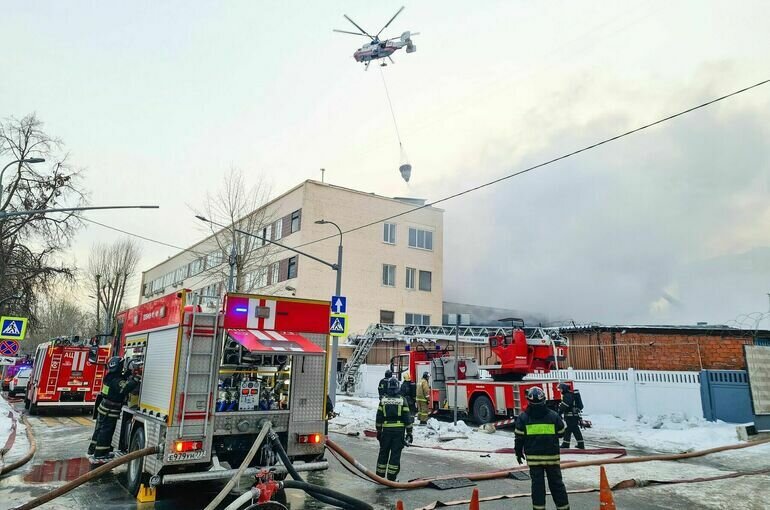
(168, 279)
(292, 273)
(417, 319)
(275, 274)
(180, 274)
(425, 280)
(146, 289)
(266, 233)
(214, 258)
(419, 238)
(261, 277)
(411, 275)
(194, 267)
(387, 317)
(388, 275)
(389, 233)
(278, 230)
(295, 221)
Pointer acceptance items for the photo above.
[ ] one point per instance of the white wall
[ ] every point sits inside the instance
(368, 379)
(632, 393)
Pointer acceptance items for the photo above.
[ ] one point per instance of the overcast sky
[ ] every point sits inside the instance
(156, 100)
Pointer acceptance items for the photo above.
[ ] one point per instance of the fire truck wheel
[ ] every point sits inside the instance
(483, 412)
(33, 409)
(135, 475)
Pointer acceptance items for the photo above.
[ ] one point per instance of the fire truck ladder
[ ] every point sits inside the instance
(201, 350)
(53, 374)
(101, 364)
(349, 376)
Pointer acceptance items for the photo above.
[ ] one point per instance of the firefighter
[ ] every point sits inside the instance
(570, 407)
(382, 388)
(409, 392)
(115, 390)
(394, 430)
(422, 396)
(537, 439)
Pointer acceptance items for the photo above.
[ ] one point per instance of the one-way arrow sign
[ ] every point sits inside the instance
(339, 304)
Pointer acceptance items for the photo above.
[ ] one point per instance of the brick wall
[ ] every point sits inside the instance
(656, 351)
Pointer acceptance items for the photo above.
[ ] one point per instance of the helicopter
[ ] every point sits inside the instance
(377, 48)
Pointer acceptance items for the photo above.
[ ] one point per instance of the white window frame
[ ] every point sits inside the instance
(288, 268)
(424, 319)
(418, 233)
(388, 233)
(275, 277)
(278, 230)
(391, 268)
(411, 278)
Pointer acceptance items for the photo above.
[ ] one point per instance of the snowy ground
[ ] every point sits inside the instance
(666, 434)
(20, 445)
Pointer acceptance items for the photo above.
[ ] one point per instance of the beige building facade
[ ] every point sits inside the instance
(392, 271)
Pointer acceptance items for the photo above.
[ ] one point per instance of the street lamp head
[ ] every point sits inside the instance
(33, 160)
(320, 222)
(202, 218)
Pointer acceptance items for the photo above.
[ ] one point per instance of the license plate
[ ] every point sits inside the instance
(64, 388)
(176, 457)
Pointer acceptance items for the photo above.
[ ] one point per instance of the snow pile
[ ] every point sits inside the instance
(668, 433)
(5, 421)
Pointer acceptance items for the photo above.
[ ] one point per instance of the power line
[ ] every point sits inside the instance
(546, 163)
(162, 243)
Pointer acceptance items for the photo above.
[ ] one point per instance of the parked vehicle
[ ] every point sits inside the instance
(66, 375)
(11, 370)
(18, 385)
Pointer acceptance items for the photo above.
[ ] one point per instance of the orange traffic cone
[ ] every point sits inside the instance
(606, 501)
(399, 505)
(474, 500)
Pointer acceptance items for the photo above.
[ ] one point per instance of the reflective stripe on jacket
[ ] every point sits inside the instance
(393, 413)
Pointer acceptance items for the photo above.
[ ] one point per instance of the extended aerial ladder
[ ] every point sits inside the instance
(348, 377)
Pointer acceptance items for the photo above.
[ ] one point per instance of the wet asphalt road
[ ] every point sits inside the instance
(62, 440)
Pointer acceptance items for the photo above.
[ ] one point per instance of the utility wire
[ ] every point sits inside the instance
(546, 163)
(116, 229)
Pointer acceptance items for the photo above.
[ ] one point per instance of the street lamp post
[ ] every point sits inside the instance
(335, 341)
(25, 160)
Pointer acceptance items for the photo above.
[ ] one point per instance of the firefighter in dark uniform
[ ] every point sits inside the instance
(537, 439)
(115, 390)
(394, 430)
(409, 392)
(382, 388)
(570, 407)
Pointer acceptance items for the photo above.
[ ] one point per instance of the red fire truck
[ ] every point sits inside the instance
(64, 374)
(485, 399)
(211, 379)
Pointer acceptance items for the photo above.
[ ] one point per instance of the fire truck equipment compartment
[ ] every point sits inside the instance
(272, 342)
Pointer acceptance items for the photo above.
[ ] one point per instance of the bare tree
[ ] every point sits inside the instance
(29, 244)
(57, 315)
(242, 208)
(110, 269)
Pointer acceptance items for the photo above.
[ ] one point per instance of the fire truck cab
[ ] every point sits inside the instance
(65, 374)
(500, 393)
(210, 379)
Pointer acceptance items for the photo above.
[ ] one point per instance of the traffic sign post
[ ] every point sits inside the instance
(9, 347)
(13, 328)
(338, 324)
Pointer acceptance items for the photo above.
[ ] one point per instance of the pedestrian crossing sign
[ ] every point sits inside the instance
(338, 324)
(13, 328)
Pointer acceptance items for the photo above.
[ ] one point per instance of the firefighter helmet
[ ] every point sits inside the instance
(388, 374)
(113, 365)
(407, 376)
(535, 396)
(564, 387)
(425, 375)
(393, 387)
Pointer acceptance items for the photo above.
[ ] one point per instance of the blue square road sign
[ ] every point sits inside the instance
(339, 304)
(338, 324)
(13, 328)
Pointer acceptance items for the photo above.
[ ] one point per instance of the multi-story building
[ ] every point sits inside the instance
(391, 271)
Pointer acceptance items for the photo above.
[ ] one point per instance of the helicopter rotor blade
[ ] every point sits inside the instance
(351, 33)
(364, 32)
(391, 21)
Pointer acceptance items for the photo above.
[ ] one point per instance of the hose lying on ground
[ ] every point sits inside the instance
(502, 473)
(244, 498)
(246, 461)
(27, 456)
(625, 484)
(322, 494)
(91, 475)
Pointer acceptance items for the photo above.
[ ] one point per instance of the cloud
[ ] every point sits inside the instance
(647, 229)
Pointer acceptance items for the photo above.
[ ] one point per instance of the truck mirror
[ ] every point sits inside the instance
(93, 354)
